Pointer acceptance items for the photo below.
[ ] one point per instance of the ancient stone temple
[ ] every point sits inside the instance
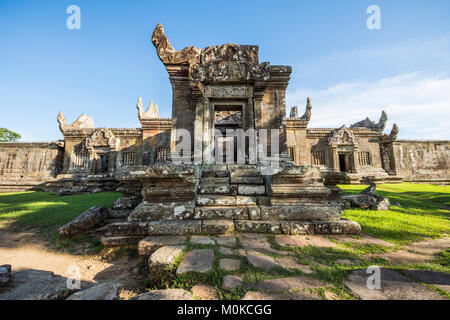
(229, 158)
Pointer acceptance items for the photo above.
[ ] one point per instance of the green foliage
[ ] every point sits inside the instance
(8, 135)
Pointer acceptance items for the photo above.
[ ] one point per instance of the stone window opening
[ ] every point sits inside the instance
(127, 158)
(364, 158)
(318, 158)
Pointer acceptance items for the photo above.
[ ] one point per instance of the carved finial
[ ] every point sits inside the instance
(382, 122)
(294, 112)
(140, 107)
(152, 111)
(367, 123)
(307, 115)
(62, 121)
(167, 54)
(394, 132)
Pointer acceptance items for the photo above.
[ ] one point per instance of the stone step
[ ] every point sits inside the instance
(235, 212)
(248, 189)
(120, 241)
(306, 211)
(149, 211)
(224, 200)
(342, 226)
(247, 180)
(214, 181)
(250, 172)
(217, 189)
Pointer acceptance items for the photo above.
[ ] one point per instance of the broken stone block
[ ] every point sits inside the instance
(199, 260)
(185, 227)
(216, 200)
(246, 201)
(168, 294)
(103, 291)
(229, 264)
(231, 282)
(367, 199)
(150, 244)
(217, 226)
(84, 222)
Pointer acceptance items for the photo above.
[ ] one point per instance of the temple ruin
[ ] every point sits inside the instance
(228, 159)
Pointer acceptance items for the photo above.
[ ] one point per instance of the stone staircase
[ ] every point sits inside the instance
(218, 199)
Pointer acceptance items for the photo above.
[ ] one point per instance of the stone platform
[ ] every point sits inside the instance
(219, 199)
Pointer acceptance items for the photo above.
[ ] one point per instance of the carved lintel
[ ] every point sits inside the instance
(227, 92)
(343, 136)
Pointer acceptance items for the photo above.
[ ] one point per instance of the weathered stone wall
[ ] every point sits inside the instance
(422, 161)
(28, 165)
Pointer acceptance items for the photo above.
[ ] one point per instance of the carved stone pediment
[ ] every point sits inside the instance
(101, 137)
(343, 136)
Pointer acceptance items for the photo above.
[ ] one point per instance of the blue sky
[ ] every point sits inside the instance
(349, 71)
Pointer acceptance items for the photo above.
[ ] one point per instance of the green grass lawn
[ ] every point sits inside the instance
(42, 209)
(423, 212)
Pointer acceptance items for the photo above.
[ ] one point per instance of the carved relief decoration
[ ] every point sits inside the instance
(102, 137)
(343, 136)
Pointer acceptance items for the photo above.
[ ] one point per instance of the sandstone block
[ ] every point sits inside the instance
(185, 227)
(199, 260)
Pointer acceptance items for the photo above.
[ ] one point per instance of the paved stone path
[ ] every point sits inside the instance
(277, 274)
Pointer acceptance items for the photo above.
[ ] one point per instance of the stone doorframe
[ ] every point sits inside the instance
(219, 95)
(344, 141)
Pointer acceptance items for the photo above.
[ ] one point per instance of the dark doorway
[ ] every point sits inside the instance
(342, 163)
(105, 163)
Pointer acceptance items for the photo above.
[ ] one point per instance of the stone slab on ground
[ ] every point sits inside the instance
(291, 263)
(394, 286)
(256, 242)
(440, 280)
(361, 239)
(165, 256)
(231, 282)
(226, 240)
(150, 244)
(168, 294)
(259, 295)
(304, 240)
(225, 251)
(103, 291)
(403, 257)
(36, 285)
(229, 264)
(199, 260)
(84, 222)
(261, 261)
(202, 240)
(204, 292)
(289, 284)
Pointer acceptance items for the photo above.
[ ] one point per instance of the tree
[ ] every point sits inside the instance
(8, 135)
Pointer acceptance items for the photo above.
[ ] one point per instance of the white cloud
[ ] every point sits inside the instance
(420, 105)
